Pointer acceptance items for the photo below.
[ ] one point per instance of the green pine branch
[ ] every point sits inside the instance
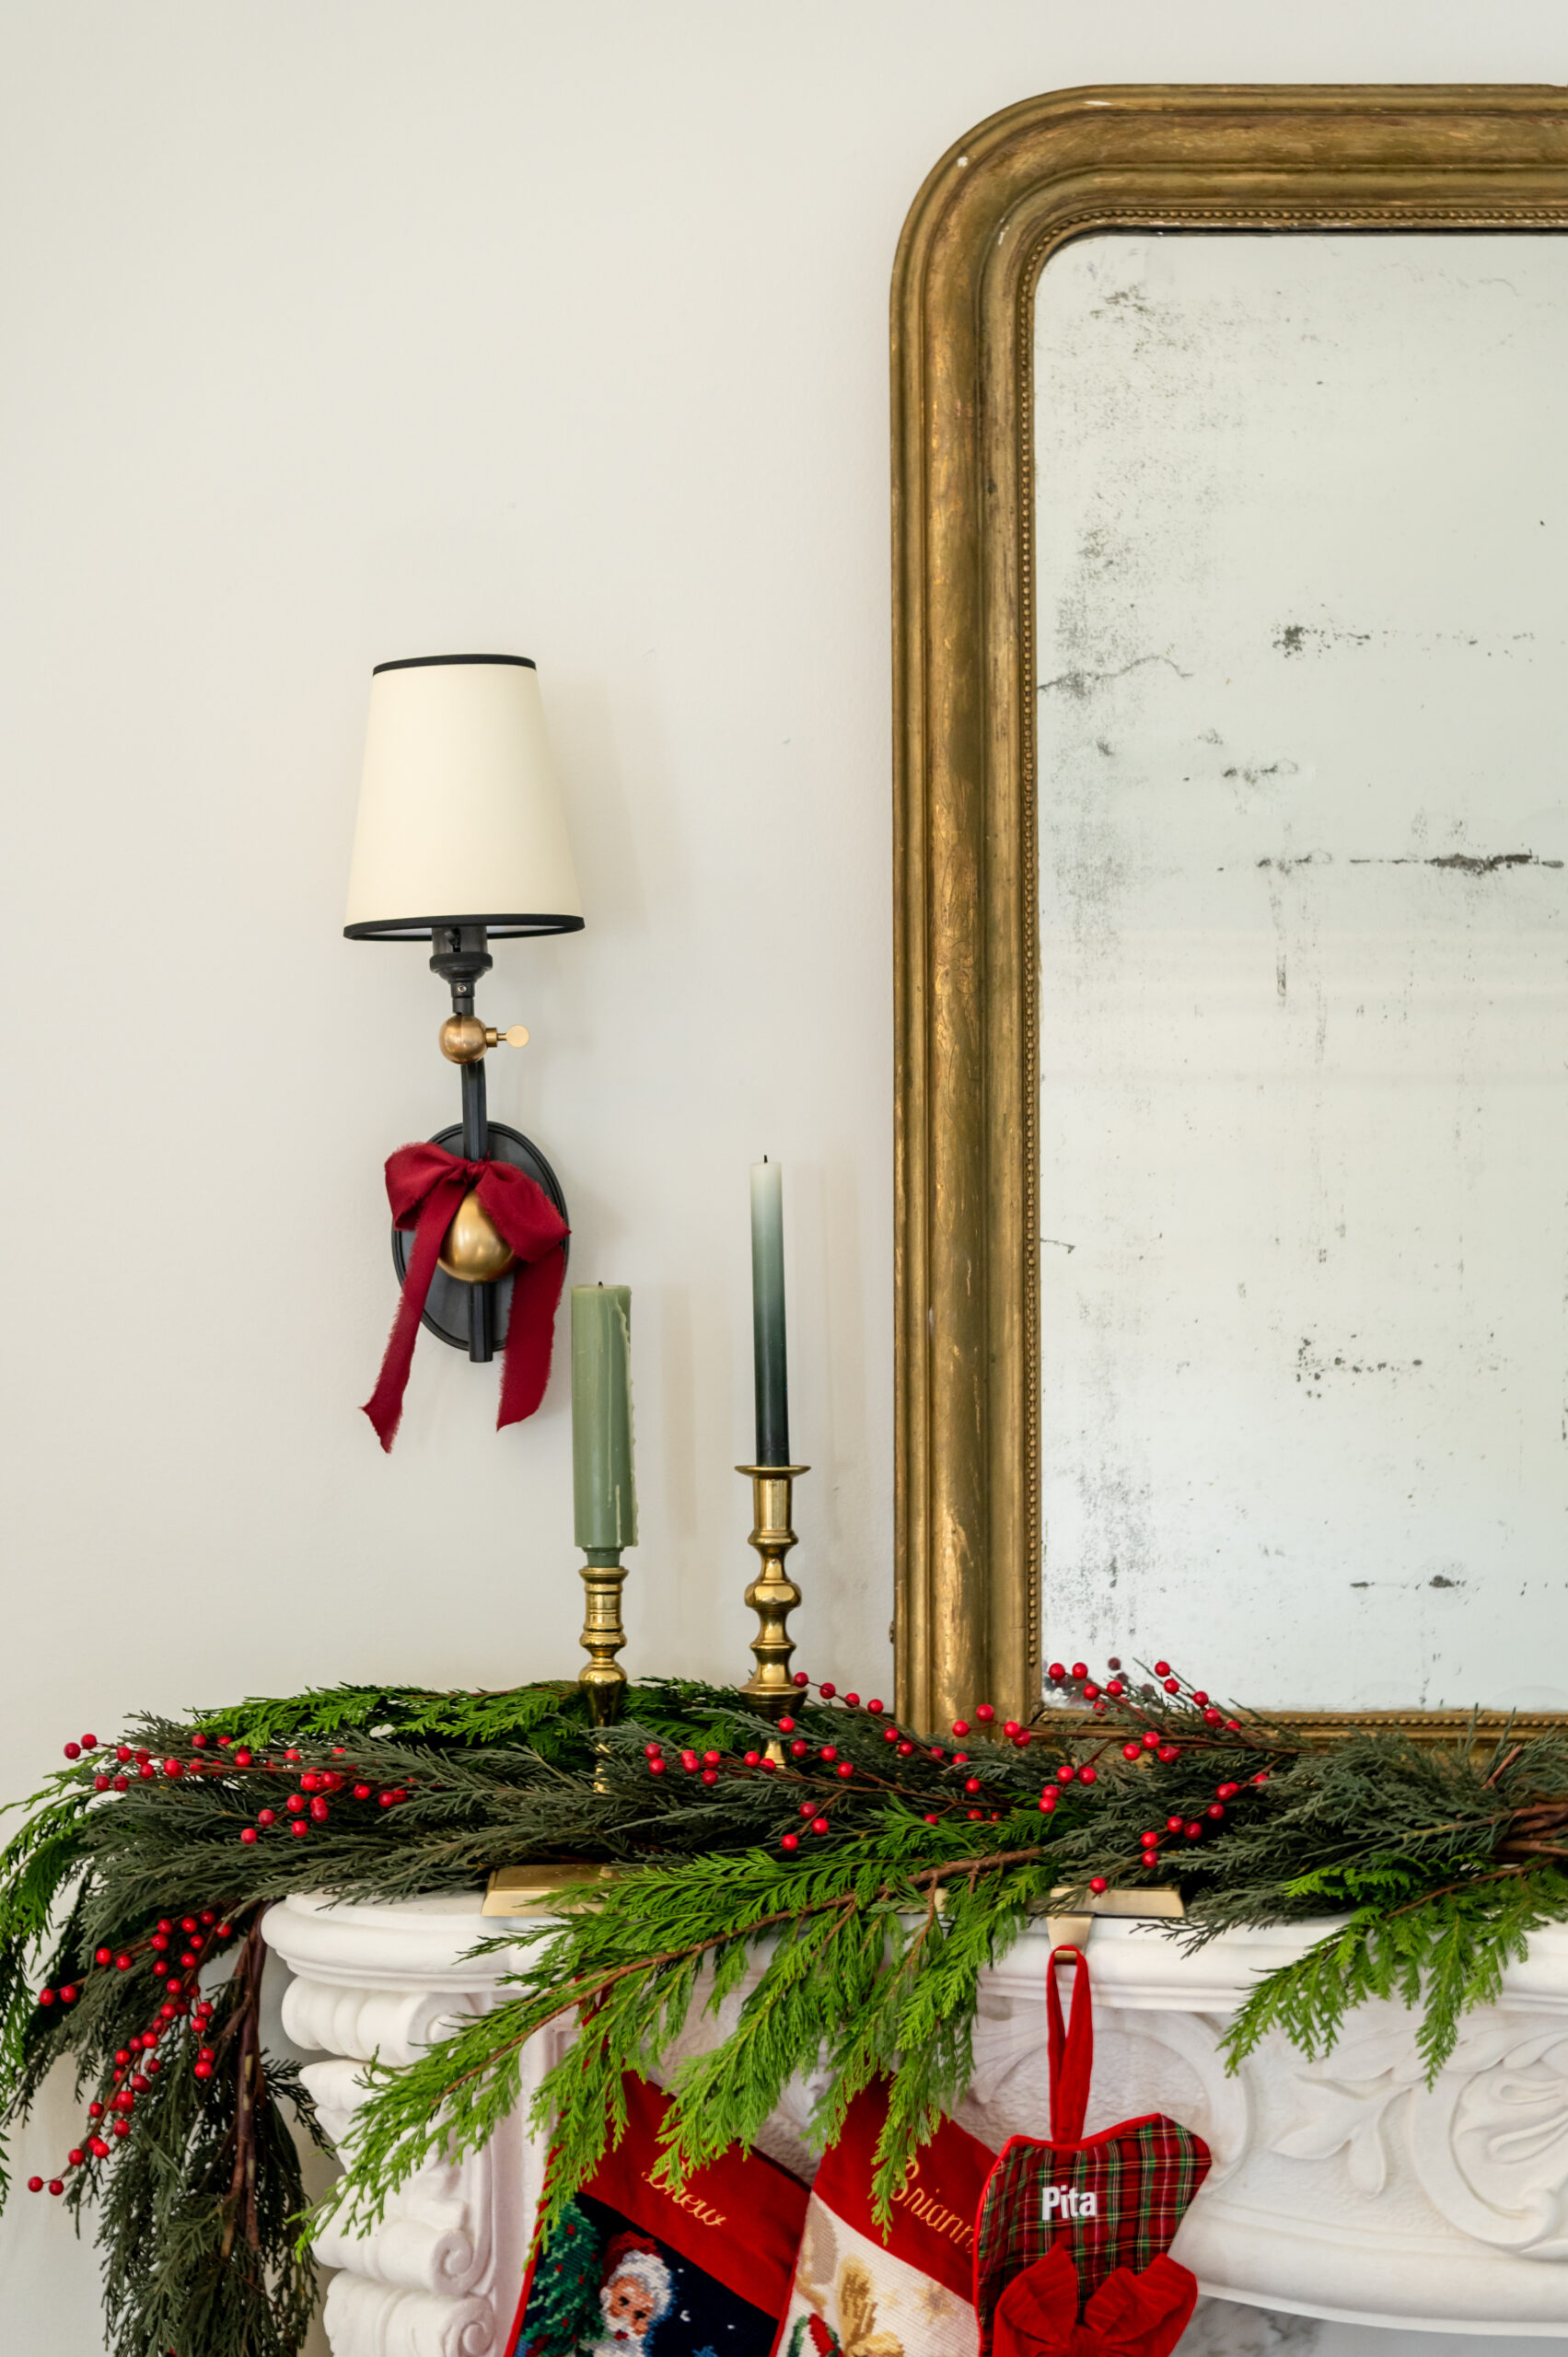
(1444, 1952)
(859, 1965)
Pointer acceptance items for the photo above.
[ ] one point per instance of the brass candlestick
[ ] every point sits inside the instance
(604, 1575)
(773, 1596)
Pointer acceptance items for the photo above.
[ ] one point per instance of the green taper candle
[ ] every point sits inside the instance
(768, 1313)
(604, 1498)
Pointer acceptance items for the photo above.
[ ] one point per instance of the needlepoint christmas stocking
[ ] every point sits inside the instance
(631, 2271)
(912, 2294)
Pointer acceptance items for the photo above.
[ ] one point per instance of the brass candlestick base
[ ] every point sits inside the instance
(603, 1636)
(773, 1596)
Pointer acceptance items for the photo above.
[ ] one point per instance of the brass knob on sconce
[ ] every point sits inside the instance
(463, 1037)
(473, 1250)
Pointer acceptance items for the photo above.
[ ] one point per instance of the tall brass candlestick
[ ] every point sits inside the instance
(772, 1594)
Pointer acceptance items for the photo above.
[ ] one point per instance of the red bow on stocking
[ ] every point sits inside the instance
(425, 1186)
(1129, 2316)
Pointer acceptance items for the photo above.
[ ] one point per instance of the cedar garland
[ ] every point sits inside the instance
(826, 1873)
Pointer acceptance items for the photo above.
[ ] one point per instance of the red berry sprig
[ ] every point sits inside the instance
(214, 1758)
(821, 1768)
(137, 2064)
(1200, 1722)
(816, 1768)
(311, 1807)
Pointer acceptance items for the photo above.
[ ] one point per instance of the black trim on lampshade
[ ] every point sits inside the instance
(422, 928)
(424, 662)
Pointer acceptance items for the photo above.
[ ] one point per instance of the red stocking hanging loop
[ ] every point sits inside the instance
(1070, 2050)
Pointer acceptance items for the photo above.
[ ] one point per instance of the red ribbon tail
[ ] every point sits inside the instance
(530, 1335)
(385, 1405)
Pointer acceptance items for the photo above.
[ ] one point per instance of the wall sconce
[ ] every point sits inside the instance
(460, 839)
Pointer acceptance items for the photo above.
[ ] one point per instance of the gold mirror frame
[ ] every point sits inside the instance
(991, 214)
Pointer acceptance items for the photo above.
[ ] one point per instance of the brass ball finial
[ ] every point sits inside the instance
(463, 1039)
(473, 1250)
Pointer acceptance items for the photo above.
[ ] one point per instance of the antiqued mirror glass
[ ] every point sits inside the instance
(1301, 614)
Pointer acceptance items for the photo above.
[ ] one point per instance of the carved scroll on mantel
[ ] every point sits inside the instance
(440, 2275)
(1343, 2189)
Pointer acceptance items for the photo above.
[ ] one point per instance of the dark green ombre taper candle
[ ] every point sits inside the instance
(768, 1313)
(604, 1496)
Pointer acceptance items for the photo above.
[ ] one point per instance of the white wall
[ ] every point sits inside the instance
(345, 328)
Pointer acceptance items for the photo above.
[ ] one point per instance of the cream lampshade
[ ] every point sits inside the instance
(459, 815)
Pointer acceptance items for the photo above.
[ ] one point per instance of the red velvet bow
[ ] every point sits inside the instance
(425, 1186)
(1129, 2316)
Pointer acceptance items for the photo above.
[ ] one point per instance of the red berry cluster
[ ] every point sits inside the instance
(135, 1763)
(213, 1759)
(1187, 1722)
(1118, 1689)
(820, 1765)
(705, 1766)
(193, 1937)
(1152, 1742)
(1192, 1828)
(180, 1943)
(311, 1805)
(986, 1717)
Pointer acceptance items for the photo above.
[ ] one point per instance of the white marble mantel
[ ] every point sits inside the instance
(1342, 2189)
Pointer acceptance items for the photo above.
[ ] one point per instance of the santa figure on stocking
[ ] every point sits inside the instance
(634, 2295)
